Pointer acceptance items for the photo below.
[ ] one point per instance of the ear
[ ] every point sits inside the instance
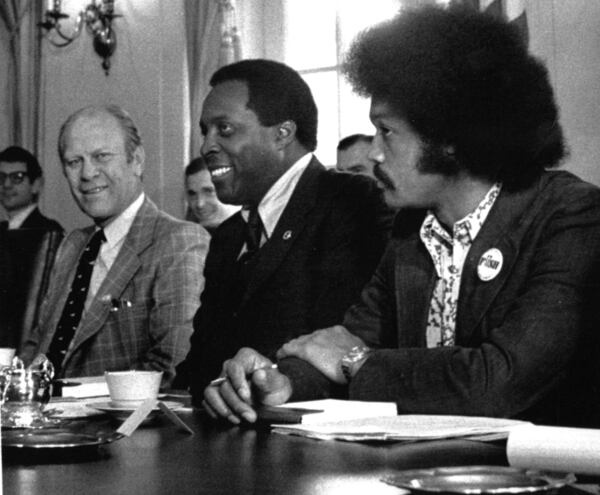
(36, 186)
(286, 133)
(138, 161)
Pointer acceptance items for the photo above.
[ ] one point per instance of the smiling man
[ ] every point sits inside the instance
(204, 206)
(306, 240)
(485, 301)
(135, 276)
(21, 184)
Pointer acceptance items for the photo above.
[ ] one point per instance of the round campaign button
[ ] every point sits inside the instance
(490, 264)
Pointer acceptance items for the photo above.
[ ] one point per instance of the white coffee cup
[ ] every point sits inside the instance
(6, 356)
(128, 389)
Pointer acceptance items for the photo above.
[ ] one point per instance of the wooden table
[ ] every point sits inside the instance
(158, 459)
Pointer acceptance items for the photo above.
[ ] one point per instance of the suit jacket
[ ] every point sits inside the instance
(35, 220)
(8, 337)
(141, 317)
(525, 343)
(324, 248)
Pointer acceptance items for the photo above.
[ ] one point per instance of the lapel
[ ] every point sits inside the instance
(288, 228)
(33, 220)
(414, 279)
(126, 265)
(502, 230)
(225, 247)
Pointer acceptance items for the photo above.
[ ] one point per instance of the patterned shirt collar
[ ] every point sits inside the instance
(465, 230)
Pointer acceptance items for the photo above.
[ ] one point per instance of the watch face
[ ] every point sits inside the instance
(355, 355)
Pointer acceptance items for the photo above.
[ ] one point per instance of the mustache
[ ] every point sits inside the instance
(382, 176)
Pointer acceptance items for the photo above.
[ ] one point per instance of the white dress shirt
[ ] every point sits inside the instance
(16, 220)
(115, 233)
(277, 197)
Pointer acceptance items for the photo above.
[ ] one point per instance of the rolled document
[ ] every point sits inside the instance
(572, 450)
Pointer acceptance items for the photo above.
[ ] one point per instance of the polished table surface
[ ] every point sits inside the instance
(159, 459)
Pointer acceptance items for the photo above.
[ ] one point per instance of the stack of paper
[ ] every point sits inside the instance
(405, 428)
(87, 386)
(336, 410)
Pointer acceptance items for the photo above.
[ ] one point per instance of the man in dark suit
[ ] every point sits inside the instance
(483, 303)
(318, 234)
(21, 183)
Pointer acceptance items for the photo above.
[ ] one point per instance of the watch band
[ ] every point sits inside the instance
(355, 355)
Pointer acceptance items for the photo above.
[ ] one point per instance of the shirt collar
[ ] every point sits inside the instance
(466, 229)
(116, 230)
(16, 220)
(277, 197)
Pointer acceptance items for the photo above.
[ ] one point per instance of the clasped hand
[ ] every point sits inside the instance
(250, 380)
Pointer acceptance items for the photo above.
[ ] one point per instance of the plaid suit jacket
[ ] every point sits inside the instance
(141, 317)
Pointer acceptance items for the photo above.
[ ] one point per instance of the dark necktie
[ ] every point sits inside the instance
(254, 227)
(71, 315)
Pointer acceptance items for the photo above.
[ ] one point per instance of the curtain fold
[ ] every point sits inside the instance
(23, 76)
(213, 40)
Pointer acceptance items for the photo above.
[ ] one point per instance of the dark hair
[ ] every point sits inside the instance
(276, 93)
(130, 132)
(14, 154)
(463, 80)
(196, 165)
(352, 139)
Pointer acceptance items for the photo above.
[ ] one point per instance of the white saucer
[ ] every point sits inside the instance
(109, 407)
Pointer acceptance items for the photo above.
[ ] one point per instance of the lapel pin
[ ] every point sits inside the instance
(490, 264)
(115, 304)
(287, 235)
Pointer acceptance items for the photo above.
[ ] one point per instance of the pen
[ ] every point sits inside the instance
(218, 381)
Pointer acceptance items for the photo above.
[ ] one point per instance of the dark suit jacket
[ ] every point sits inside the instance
(35, 220)
(324, 248)
(525, 343)
(141, 317)
(8, 337)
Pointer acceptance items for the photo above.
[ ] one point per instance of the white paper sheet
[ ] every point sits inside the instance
(550, 448)
(88, 386)
(405, 428)
(335, 409)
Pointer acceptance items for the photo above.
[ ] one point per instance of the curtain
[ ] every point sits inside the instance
(21, 88)
(512, 10)
(213, 40)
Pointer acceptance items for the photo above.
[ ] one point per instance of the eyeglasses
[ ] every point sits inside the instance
(13, 177)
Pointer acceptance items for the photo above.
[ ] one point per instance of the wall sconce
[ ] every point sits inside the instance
(97, 17)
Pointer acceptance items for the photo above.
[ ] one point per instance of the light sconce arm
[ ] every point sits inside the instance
(97, 16)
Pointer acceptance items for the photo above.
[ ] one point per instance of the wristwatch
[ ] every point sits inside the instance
(356, 355)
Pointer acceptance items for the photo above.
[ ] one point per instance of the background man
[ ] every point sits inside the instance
(20, 187)
(481, 303)
(306, 239)
(353, 155)
(135, 276)
(204, 206)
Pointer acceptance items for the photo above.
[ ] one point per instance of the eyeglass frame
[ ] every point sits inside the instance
(15, 178)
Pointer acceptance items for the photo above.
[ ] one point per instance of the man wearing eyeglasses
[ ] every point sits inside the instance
(20, 187)
(135, 276)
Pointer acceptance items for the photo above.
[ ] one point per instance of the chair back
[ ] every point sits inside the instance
(31, 255)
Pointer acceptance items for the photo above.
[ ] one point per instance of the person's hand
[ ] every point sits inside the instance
(250, 381)
(323, 349)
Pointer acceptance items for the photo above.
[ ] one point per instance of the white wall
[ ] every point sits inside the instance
(566, 35)
(147, 78)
